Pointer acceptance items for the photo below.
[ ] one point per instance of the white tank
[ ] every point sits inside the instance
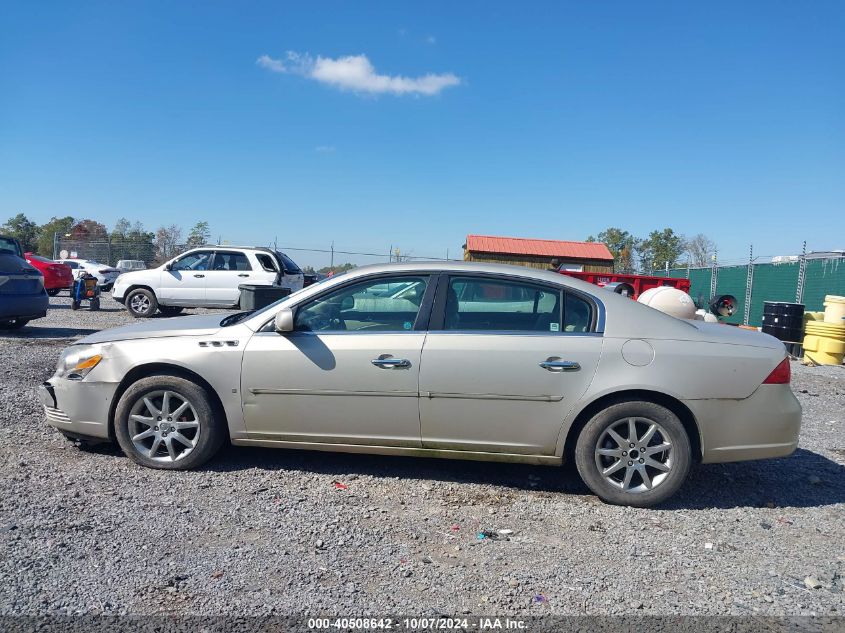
(669, 300)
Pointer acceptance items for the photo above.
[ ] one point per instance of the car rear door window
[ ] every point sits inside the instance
(226, 260)
(577, 314)
(378, 305)
(501, 305)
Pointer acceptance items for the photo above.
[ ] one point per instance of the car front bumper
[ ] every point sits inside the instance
(764, 425)
(77, 407)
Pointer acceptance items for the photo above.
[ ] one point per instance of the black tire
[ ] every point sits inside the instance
(141, 303)
(54, 291)
(74, 305)
(170, 311)
(106, 288)
(210, 427)
(610, 488)
(13, 324)
(95, 303)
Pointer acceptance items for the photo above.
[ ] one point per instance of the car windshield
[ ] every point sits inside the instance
(8, 246)
(240, 316)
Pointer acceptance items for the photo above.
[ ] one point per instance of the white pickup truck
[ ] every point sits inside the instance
(206, 277)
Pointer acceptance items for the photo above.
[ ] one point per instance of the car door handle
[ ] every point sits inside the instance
(391, 363)
(243, 275)
(199, 276)
(558, 365)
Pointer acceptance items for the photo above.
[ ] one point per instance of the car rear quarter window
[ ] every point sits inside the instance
(266, 262)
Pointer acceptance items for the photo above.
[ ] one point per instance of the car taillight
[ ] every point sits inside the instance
(781, 375)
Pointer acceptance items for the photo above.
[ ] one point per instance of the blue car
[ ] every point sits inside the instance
(22, 294)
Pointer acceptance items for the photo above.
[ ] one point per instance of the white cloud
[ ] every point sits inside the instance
(324, 149)
(357, 74)
(431, 40)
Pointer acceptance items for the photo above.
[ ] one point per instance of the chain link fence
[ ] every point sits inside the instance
(804, 279)
(111, 251)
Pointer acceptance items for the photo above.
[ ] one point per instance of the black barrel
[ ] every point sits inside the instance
(784, 321)
(255, 297)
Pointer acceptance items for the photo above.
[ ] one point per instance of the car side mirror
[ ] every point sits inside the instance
(283, 323)
(168, 266)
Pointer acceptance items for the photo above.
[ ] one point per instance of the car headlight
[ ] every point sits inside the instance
(76, 362)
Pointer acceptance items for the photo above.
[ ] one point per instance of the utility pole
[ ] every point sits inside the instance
(749, 282)
(802, 272)
(714, 274)
(331, 264)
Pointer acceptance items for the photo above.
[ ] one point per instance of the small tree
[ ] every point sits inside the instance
(621, 244)
(167, 239)
(49, 231)
(89, 231)
(200, 235)
(661, 248)
(24, 230)
(700, 248)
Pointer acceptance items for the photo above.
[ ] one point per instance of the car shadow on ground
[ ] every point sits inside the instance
(35, 332)
(83, 307)
(805, 479)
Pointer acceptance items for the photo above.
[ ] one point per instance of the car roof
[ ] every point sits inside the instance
(545, 276)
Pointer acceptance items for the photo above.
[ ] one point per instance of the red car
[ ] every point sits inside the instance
(56, 276)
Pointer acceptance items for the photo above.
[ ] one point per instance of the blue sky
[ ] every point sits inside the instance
(415, 124)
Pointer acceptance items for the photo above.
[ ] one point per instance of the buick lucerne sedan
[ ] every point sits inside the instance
(459, 360)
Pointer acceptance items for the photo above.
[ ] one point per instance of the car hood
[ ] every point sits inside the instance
(199, 325)
(14, 265)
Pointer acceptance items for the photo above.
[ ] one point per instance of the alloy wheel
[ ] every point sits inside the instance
(634, 454)
(140, 303)
(164, 426)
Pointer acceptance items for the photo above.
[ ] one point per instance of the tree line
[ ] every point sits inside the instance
(135, 241)
(661, 249)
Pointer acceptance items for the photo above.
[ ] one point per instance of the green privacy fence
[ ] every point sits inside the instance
(769, 282)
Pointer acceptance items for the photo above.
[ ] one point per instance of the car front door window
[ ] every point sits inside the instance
(382, 305)
(193, 261)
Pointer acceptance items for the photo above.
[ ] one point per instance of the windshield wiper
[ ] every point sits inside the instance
(235, 318)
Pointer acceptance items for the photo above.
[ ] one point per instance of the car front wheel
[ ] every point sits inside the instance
(141, 303)
(634, 453)
(169, 423)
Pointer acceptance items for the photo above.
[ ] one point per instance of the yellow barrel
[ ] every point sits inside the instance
(813, 316)
(824, 343)
(834, 309)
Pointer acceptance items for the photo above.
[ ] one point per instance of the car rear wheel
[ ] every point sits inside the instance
(141, 303)
(634, 453)
(169, 423)
(13, 324)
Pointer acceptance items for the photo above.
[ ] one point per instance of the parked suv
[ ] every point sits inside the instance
(206, 277)
(22, 294)
(130, 265)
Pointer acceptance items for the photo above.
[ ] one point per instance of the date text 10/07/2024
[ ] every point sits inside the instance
(418, 624)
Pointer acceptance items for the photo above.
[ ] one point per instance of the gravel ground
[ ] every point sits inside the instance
(262, 532)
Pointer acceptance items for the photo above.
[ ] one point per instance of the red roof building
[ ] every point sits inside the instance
(535, 253)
